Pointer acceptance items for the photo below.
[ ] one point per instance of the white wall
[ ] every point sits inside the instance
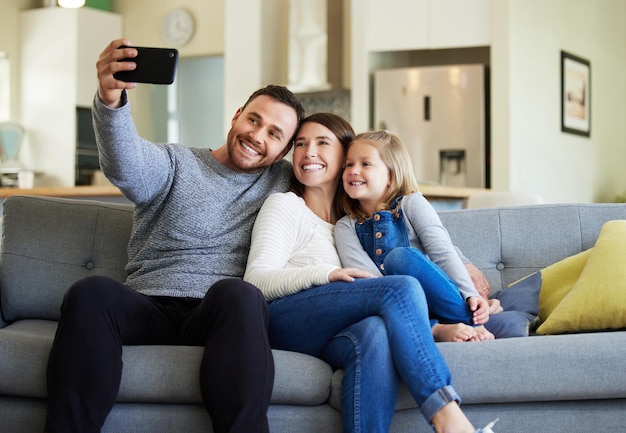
(142, 25)
(57, 75)
(10, 44)
(561, 167)
(243, 56)
(529, 150)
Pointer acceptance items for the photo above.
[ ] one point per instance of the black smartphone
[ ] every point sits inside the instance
(154, 66)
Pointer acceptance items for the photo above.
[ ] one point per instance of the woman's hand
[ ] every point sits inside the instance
(479, 280)
(348, 274)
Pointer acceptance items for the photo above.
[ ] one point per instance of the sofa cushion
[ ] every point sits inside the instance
(522, 295)
(510, 324)
(24, 349)
(520, 302)
(171, 374)
(510, 243)
(49, 243)
(537, 368)
(558, 279)
(597, 299)
(159, 374)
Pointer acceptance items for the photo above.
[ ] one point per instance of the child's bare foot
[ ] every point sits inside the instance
(482, 334)
(454, 332)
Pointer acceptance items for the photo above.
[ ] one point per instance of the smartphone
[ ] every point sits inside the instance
(154, 66)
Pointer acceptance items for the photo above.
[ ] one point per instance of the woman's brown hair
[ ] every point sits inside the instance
(342, 129)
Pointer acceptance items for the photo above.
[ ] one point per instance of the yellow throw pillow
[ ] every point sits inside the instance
(558, 280)
(597, 299)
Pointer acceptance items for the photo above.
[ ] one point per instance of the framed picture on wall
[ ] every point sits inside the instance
(575, 95)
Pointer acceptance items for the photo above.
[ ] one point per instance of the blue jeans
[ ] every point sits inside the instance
(377, 329)
(445, 302)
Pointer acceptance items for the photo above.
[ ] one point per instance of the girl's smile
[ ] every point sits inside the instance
(365, 177)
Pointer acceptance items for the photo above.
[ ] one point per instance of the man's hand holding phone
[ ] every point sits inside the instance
(109, 88)
(120, 66)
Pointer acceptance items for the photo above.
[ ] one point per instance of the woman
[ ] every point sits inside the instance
(377, 329)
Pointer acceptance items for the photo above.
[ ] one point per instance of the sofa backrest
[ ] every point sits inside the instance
(49, 243)
(511, 242)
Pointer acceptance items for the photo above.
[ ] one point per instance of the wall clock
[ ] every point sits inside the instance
(177, 27)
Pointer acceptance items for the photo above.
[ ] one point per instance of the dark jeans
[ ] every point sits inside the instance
(99, 315)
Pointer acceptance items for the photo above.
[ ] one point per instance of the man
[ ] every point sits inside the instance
(194, 211)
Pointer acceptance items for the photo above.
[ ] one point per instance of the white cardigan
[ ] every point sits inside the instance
(292, 249)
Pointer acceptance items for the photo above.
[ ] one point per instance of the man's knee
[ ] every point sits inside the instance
(91, 291)
(236, 294)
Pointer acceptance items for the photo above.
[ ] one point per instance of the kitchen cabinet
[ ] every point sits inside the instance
(59, 50)
(398, 25)
(395, 25)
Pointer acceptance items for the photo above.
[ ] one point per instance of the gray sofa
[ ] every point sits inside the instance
(566, 383)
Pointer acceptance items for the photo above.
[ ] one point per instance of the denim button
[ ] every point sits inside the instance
(379, 252)
(500, 266)
(377, 217)
(379, 235)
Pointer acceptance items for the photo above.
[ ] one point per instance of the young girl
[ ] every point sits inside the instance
(376, 329)
(391, 229)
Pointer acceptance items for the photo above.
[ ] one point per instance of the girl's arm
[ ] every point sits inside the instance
(349, 247)
(436, 241)
(279, 232)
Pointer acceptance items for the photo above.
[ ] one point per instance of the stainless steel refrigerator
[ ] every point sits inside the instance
(440, 113)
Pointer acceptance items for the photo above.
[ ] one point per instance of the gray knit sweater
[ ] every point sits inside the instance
(193, 216)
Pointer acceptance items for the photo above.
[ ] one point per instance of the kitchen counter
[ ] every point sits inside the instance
(448, 192)
(106, 193)
(442, 197)
(69, 192)
(448, 197)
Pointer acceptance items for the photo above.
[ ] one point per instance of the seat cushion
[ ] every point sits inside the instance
(157, 374)
(536, 368)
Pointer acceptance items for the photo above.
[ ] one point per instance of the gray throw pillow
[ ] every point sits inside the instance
(520, 302)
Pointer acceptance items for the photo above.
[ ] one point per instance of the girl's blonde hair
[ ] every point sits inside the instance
(394, 154)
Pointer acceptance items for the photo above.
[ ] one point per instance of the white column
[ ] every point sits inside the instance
(308, 45)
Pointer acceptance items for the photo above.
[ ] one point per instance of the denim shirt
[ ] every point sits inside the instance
(383, 232)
